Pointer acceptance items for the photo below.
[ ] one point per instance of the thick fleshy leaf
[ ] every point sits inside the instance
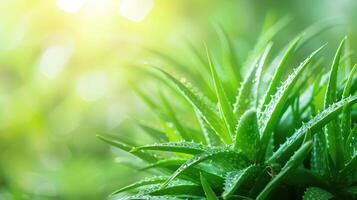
(210, 195)
(125, 147)
(315, 193)
(176, 188)
(349, 173)
(230, 62)
(274, 83)
(236, 178)
(232, 157)
(248, 89)
(351, 144)
(173, 118)
(334, 138)
(319, 155)
(180, 147)
(314, 125)
(291, 165)
(165, 163)
(258, 74)
(224, 104)
(271, 115)
(346, 113)
(147, 181)
(205, 110)
(247, 135)
(209, 134)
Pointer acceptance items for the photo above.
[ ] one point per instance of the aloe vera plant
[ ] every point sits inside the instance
(242, 146)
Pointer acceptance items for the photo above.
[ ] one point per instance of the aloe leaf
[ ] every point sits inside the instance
(224, 104)
(265, 38)
(315, 193)
(246, 97)
(291, 165)
(235, 179)
(146, 181)
(193, 73)
(312, 126)
(125, 147)
(346, 113)
(145, 197)
(163, 163)
(349, 173)
(334, 138)
(258, 74)
(176, 187)
(206, 112)
(198, 55)
(230, 61)
(247, 135)
(271, 115)
(171, 114)
(351, 143)
(154, 133)
(210, 195)
(179, 147)
(169, 131)
(273, 85)
(238, 158)
(203, 69)
(319, 162)
(210, 135)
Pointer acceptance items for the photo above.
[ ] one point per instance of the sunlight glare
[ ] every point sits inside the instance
(92, 86)
(54, 59)
(71, 6)
(136, 10)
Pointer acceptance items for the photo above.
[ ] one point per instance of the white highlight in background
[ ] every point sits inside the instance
(54, 59)
(136, 10)
(71, 6)
(92, 86)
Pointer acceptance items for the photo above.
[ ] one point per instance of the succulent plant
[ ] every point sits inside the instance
(289, 138)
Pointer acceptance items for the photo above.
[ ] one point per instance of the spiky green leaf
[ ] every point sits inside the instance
(125, 147)
(271, 115)
(291, 165)
(312, 126)
(180, 147)
(273, 85)
(206, 112)
(224, 105)
(315, 193)
(247, 135)
(236, 158)
(236, 178)
(334, 138)
(346, 113)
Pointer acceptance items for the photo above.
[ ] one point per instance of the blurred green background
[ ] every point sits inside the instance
(67, 67)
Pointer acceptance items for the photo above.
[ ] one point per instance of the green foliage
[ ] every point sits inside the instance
(237, 151)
